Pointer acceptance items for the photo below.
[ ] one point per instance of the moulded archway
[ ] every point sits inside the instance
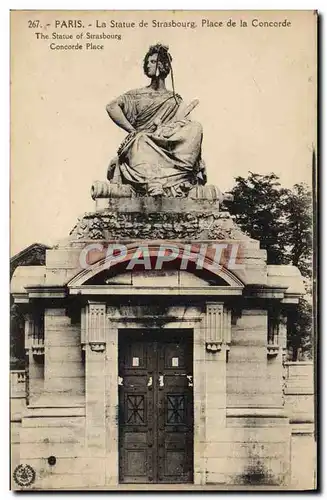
(150, 260)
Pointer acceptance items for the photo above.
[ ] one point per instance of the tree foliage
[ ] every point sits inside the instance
(298, 228)
(281, 219)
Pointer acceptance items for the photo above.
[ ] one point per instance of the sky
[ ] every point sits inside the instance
(257, 105)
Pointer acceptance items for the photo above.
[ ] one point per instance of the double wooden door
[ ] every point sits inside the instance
(156, 407)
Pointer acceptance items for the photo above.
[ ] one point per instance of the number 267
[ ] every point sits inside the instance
(34, 24)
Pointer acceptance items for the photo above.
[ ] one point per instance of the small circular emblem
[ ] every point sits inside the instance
(24, 475)
(52, 460)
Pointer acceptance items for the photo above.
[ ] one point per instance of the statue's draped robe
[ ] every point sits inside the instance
(147, 161)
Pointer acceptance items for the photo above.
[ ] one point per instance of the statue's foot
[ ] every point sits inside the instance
(155, 189)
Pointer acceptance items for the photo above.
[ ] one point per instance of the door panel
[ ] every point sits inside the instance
(135, 412)
(175, 397)
(156, 407)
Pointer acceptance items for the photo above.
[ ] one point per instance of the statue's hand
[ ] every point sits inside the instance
(126, 142)
(111, 168)
(165, 131)
(169, 129)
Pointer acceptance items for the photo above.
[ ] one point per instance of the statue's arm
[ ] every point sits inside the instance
(116, 113)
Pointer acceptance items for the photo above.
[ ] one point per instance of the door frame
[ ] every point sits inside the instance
(101, 376)
(177, 317)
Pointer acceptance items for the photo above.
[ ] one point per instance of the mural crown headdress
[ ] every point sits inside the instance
(158, 47)
(161, 48)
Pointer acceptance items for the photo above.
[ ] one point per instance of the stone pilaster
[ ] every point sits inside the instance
(95, 381)
(34, 348)
(214, 326)
(273, 344)
(112, 459)
(199, 384)
(283, 334)
(83, 327)
(29, 329)
(96, 326)
(217, 328)
(276, 347)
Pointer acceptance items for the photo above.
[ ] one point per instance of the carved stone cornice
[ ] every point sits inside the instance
(273, 334)
(272, 350)
(218, 327)
(98, 346)
(34, 334)
(213, 346)
(93, 326)
(122, 222)
(214, 326)
(38, 350)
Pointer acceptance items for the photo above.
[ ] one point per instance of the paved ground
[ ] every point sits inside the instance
(186, 487)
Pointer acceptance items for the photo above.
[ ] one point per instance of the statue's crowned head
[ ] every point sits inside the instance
(157, 61)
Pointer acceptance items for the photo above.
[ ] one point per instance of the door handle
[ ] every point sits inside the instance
(149, 384)
(120, 380)
(190, 380)
(161, 381)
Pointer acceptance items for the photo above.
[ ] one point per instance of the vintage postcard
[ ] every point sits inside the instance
(163, 169)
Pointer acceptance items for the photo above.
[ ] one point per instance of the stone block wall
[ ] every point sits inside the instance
(54, 422)
(59, 433)
(251, 379)
(257, 436)
(17, 408)
(64, 375)
(215, 421)
(300, 405)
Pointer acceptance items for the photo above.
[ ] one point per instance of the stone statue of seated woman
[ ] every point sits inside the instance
(161, 155)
